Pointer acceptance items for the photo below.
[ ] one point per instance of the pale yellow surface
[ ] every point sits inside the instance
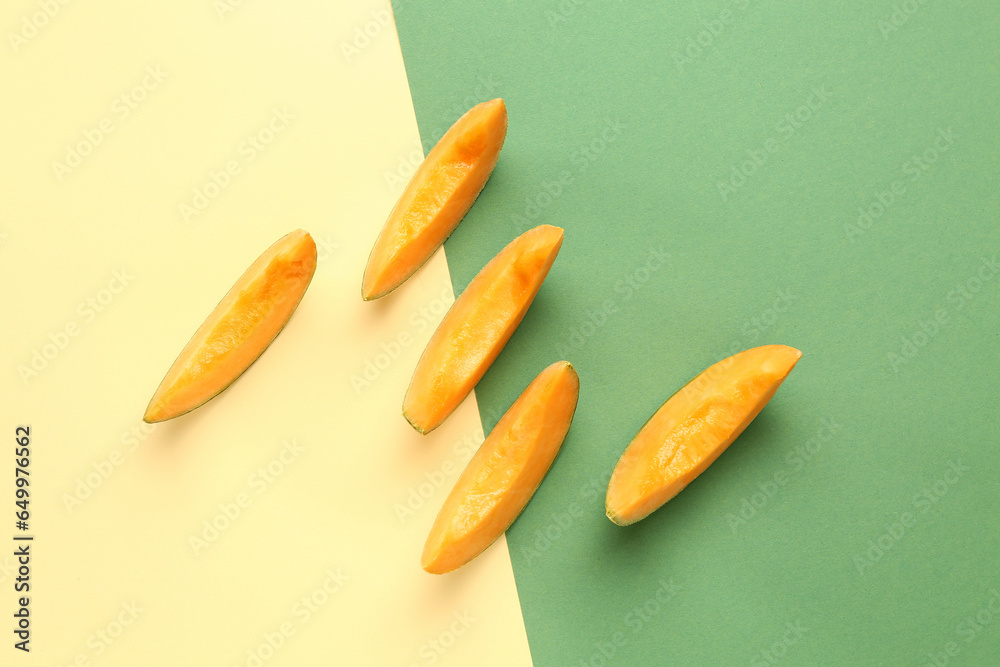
(116, 576)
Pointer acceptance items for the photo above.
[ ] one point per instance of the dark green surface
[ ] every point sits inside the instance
(781, 240)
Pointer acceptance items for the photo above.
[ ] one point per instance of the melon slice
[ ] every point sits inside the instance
(239, 329)
(477, 326)
(505, 472)
(438, 196)
(693, 428)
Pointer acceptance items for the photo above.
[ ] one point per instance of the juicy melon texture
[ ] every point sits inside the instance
(500, 479)
(239, 329)
(692, 428)
(436, 199)
(477, 327)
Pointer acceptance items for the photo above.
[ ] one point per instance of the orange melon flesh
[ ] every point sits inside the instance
(505, 472)
(693, 428)
(477, 326)
(438, 196)
(239, 329)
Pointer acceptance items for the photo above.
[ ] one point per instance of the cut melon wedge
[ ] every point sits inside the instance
(505, 472)
(239, 329)
(477, 326)
(438, 196)
(693, 428)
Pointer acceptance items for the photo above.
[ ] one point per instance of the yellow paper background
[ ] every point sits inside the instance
(115, 506)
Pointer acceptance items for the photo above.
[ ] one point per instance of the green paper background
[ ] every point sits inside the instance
(857, 439)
